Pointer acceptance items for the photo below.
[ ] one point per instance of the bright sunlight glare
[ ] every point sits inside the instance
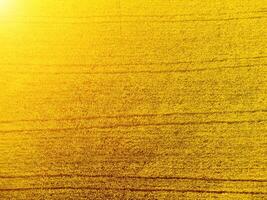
(3, 3)
(4, 6)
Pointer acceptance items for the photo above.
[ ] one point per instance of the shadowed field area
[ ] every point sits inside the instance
(139, 99)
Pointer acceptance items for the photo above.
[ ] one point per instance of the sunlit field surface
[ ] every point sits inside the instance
(133, 99)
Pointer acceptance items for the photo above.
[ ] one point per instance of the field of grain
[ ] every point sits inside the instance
(133, 99)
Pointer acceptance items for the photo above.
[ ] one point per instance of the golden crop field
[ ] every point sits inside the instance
(133, 99)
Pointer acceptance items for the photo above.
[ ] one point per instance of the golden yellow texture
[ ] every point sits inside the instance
(133, 99)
